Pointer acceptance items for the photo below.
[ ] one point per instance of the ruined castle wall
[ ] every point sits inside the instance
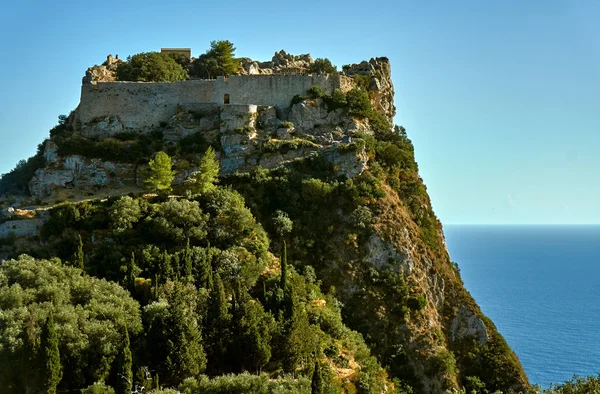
(275, 90)
(140, 105)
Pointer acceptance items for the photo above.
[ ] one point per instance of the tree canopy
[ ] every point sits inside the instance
(219, 60)
(322, 66)
(160, 174)
(151, 67)
(43, 302)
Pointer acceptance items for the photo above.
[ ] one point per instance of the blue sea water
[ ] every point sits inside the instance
(541, 287)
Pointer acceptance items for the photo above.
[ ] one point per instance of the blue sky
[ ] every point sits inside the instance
(501, 99)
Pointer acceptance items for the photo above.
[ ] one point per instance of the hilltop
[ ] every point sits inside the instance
(314, 257)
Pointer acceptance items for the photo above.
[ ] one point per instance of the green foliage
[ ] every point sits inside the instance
(50, 356)
(322, 66)
(316, 386)
(577, 385)
(282, 223)
(246, 383)
(79, 257)
(124, 376)
(286, 125)
(98, 388)
(316, 92)
(359, 103)
(219, 60)
(417, 303)
(160, 176)
(124, 213)
(337, 100)
(125, 147)
(151, 67)
(174, 339)
(90, 315)
(17, 180)
(205, 179)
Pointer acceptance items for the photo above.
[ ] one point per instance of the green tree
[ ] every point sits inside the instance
(218, 327)
(79, 257)
(160, 175)
(173, 335)
(205, 179)
(316, 386)
(322, 66)
(151, 67)
(92, 313)
(50, 356)
(124, 213)
(255, 326)
(124, 365)
(283, 226)
(218, 60)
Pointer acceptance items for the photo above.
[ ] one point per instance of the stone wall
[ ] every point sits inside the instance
(139, 105)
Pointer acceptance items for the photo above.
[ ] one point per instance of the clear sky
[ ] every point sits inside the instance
(501, 99)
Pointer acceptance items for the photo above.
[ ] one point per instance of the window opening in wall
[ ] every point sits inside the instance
(226, 98)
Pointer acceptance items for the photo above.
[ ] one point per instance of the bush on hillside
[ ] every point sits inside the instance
(151, 67)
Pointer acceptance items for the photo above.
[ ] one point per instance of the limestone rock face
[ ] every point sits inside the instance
(310, 113)
(106, 127)
(238, 116)
(466, 325)
(76, 172)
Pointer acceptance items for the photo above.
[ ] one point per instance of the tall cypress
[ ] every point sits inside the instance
(50, 357)
(283, 280)
(189, 274)
(79, 254)
(131, 272)
(316, 386)
(124, 372)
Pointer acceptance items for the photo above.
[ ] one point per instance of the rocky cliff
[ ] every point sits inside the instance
(362, 216)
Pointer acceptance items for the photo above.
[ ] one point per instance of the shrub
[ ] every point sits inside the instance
(316, 92)
(297, 99)
(322, 66)
(98, 388)
(359, 103)
(151, 67)
(417, 303)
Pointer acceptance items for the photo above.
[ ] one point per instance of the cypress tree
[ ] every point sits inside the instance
(131, 272)
(79, 254)
(316, 386)
(283, 280)
(124, 372)
(50, 357)
(166, 270)
(189, 274)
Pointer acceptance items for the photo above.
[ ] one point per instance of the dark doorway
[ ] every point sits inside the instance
(226, 99)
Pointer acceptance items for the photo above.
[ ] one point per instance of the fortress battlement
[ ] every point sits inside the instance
(141, 105)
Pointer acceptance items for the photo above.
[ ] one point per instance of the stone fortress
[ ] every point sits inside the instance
(252, 117)
(140, 105)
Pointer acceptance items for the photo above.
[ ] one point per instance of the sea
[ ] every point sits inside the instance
(541, 287)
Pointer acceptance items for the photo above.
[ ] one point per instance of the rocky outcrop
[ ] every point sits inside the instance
(76, 172)
(466, 325)
(20, 228)
(106, 72)
(310, 113)
(281, 63)
(378, 75)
